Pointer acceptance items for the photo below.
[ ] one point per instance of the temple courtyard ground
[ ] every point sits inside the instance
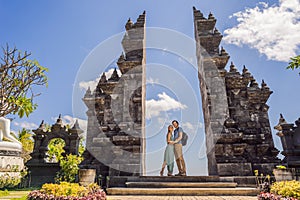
(20, 194)
(182, 197)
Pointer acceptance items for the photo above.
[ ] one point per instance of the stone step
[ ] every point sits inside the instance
(242, 181)
(184, 191)
(177, 179)
(180, 185)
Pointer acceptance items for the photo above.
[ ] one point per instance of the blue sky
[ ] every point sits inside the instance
(62, 35)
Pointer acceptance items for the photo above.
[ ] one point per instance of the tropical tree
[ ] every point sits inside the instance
(18, 77)
(294, 63)
(25, 137)
(55, 150)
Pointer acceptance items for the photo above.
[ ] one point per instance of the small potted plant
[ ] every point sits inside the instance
(281, 173)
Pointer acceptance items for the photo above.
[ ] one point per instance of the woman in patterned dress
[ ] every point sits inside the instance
(169, 153)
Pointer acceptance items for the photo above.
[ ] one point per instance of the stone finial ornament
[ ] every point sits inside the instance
(59, 120)
(129, 24)
(280, 122)
(114, 76)
(88, 93)
(211, 16)
(232, 68)
(103, 78)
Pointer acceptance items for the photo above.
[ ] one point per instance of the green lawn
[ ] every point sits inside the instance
(3, 193)
(22, 198)
(14, 194)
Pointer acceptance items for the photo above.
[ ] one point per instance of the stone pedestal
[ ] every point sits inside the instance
(86, 176)
(10, 157)
(283, 174)
(11, 162)
(40, 173)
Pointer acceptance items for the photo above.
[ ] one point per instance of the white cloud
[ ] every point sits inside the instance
(26, 125)
(188, 125)
(89, 84)
(93, 83)
(110, 72)
(191, 127)
(163, 104)
(272, 30)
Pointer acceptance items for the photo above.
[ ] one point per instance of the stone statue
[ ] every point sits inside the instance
(5, 133)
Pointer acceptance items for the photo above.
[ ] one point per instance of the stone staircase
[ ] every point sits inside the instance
(184, 186)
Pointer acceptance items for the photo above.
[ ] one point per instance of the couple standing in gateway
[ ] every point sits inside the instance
(174, 149)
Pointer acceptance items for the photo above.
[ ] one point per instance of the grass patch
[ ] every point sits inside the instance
(3, 193)
(22, 198)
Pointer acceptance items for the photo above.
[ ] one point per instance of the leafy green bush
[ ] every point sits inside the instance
(56, 148)
(286, 188)
(69, 168)
(7, 181)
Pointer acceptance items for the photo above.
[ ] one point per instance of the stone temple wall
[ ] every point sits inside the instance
(116, 110)
(238, 133)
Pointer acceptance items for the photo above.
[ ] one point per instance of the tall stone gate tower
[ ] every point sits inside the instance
(238, 133)
(116, 110)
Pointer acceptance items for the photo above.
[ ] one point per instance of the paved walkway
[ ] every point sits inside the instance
(181, 197)
(19, 194)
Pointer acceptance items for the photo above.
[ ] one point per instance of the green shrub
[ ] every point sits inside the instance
(7, 181)
(286, 188)
(69, 168)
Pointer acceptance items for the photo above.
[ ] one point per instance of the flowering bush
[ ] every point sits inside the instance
(67, 191)
(287, 188)
(284, 190)
(271, 196)
(267, 196)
